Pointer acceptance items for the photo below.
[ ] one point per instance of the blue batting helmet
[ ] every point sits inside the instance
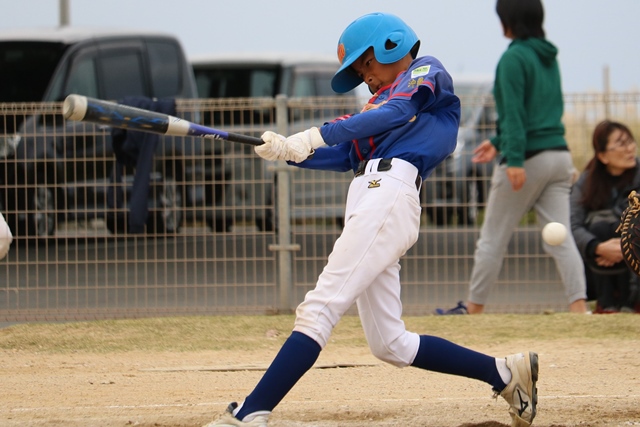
(372, 30)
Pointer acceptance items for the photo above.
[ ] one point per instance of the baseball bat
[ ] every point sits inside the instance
(83, 108)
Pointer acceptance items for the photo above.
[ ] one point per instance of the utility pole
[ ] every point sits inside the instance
(607, 90)
(64, 13)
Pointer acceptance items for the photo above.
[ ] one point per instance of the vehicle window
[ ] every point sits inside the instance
(323, 85)
(165, 69)
(26, 68)
(122, 75)
(236, 82)
(312, 84)
(82, 78)
(263, 83)
(304, 85)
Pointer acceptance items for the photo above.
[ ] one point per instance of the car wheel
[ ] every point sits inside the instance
(168, 210)
(41, 219)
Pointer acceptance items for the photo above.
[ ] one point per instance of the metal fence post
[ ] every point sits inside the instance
(283, 215)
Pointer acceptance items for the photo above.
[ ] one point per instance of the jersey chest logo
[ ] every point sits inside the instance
(374, 183)
(420, 71)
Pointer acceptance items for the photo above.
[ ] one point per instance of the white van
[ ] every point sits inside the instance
(242, 75)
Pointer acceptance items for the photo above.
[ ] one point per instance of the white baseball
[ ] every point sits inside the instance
(554, 233)
(5, 237)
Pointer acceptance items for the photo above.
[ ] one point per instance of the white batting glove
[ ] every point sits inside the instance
(301, 146)
(273, 147)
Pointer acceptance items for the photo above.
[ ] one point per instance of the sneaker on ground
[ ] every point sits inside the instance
(459, 309)
(521, 392)
(228, 420)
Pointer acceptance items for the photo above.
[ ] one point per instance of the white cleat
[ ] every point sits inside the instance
(228, 420)
(521, 392)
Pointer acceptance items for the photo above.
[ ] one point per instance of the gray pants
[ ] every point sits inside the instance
(547, 191)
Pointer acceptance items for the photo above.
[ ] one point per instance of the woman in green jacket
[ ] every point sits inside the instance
(535, 168)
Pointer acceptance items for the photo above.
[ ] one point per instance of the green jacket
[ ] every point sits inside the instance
(528, 95)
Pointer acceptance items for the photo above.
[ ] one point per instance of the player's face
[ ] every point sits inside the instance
(375, 74)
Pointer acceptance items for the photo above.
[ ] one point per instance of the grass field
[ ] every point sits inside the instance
(183, 334)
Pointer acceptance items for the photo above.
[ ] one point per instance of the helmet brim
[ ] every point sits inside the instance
(345, 78)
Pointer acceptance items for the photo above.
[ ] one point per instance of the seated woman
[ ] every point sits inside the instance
(597, 201)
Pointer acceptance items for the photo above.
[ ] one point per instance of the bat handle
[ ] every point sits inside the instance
(244, 139)
(251, 140)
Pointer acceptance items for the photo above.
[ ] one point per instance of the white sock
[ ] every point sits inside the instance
(505, 373)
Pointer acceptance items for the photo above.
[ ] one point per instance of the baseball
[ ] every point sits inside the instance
(554, 233)
(5, 237)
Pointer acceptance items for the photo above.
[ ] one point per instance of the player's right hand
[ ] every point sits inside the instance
(302, 145)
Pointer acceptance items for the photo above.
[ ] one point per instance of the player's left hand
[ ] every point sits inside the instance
(301, 146)
(273, 147)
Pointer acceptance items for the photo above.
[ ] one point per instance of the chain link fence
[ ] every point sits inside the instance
(225, 232)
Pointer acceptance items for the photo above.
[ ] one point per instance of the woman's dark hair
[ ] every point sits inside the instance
(599, 182)
(523, 17)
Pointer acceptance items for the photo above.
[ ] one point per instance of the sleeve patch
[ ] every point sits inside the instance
(420, 71)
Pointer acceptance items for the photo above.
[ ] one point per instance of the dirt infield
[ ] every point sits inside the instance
(581, 384)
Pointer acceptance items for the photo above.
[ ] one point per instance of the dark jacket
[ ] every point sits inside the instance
(135, 149)
(580, 215)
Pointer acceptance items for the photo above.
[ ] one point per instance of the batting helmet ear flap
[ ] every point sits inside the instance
(415, 49)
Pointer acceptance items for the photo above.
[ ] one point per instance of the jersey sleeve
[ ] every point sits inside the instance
(333, 158)
(413, 91)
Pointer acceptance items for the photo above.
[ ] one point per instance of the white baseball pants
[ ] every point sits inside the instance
(382, 221)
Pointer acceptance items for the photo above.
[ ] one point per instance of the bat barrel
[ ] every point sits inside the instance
(82, 108)
(74, 107)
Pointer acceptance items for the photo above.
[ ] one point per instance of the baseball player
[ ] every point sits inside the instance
(409, 126)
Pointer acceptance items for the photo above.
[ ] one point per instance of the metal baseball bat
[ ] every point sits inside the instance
(83, 108)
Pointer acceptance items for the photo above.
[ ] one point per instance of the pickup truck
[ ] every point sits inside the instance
(53, 170)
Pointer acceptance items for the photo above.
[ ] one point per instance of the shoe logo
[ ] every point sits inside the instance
(375, 183)
(523, 404)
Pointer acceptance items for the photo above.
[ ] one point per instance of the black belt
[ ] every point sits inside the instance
(383, 165)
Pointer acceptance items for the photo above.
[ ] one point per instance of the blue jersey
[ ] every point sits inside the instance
(415, 119)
